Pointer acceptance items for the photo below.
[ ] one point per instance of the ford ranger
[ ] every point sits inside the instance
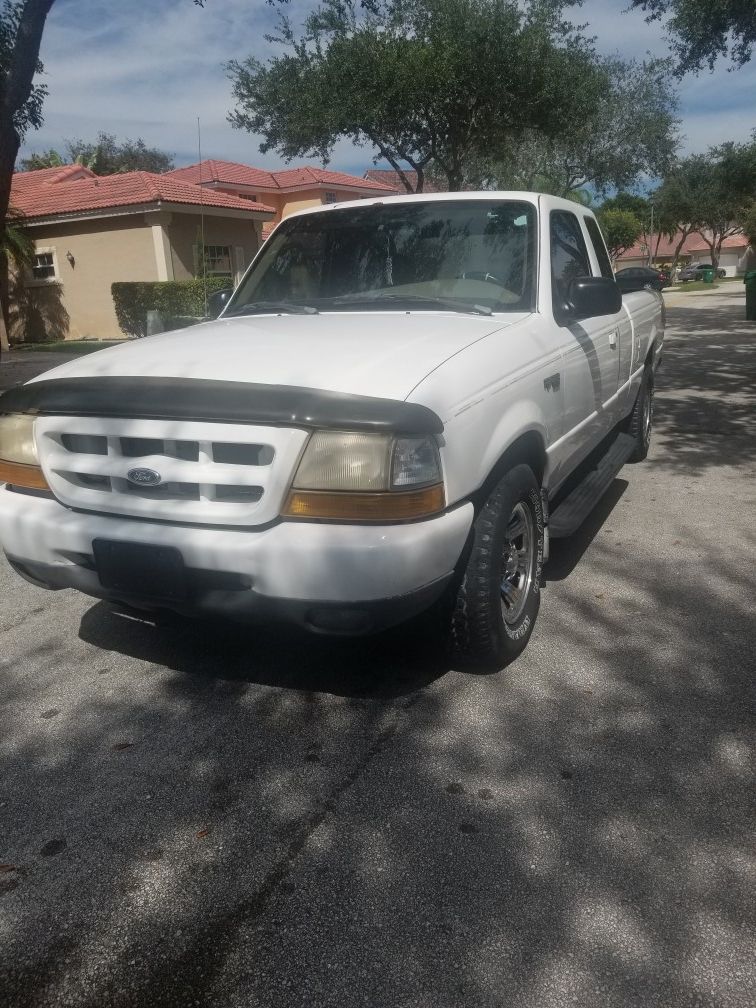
(401, 402)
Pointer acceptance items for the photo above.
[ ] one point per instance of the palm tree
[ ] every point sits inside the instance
(17, 253)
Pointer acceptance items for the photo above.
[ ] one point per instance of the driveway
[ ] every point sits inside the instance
(195, 814)
(18, 366)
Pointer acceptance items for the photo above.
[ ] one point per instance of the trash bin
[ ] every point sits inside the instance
(708, 274)
(750, 286)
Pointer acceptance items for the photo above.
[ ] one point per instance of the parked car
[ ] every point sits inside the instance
(637, 277)
(403, 401)
(696, 272)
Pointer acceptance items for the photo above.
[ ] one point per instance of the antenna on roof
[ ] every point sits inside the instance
(203, 259)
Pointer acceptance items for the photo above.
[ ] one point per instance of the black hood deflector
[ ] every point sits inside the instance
(218, 402)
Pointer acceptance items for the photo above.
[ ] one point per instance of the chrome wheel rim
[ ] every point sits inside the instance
(648, 406)
(518, 563)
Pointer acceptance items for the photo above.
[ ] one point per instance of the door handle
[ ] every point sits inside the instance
(552, 382)
(613, 338)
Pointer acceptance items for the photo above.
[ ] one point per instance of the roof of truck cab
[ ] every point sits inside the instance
(551, 202)
(446, 197)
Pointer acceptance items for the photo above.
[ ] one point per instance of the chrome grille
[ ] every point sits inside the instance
(209, 473)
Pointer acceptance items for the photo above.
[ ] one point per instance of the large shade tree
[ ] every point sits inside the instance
(710, 193)
(440, 83)
(629, 132)
(702, 31)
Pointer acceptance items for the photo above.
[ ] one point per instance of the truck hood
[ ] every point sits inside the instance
(383, 354)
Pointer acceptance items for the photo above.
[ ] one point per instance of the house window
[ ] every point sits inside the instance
(330, 197)
(43, 267)
(218, 261)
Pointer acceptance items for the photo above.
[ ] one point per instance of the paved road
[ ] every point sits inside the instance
(195, 815)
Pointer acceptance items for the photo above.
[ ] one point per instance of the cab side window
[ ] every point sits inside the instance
(569, 259)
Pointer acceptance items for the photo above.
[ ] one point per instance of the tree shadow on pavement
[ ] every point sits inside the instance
(487, 841)
(707, 415)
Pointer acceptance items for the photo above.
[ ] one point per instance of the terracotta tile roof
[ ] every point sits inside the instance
(693, 243)
(209, 171)
(321, 176)
(48, 192)
(232, 173)
(392, 178)
(736, 242)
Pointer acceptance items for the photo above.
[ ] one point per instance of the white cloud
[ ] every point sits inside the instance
(149, 69)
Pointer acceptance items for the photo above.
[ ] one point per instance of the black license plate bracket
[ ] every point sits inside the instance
(141, 570)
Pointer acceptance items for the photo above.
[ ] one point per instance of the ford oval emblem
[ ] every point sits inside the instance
(144, 477)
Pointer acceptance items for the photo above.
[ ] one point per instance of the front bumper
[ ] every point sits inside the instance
(333, 578)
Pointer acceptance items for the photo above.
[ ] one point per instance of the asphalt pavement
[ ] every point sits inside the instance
(197, 814)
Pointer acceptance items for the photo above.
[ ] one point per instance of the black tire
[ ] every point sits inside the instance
(640, 422)
(489, 629)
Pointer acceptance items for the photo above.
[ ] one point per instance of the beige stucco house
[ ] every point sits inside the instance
(90, 231)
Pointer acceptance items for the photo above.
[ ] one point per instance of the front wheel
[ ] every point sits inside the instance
(497, 602)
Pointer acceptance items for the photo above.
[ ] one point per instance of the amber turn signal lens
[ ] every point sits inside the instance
(19, 475)
(369, 507)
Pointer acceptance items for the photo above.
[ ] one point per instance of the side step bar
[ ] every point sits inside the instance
(573, 510)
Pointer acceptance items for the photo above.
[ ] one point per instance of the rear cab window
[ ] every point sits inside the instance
(599, 248)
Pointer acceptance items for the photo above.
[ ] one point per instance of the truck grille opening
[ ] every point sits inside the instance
(243, 454)
(132, 447)
(85, 444)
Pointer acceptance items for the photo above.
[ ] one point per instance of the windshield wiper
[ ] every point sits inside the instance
(271, 307)
(415, 300)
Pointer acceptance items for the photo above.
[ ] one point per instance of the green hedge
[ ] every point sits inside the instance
(172, 298)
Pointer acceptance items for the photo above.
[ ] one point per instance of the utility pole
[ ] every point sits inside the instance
(651, 237)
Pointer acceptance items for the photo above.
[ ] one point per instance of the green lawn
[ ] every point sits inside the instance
(68, 346)
(699, 285)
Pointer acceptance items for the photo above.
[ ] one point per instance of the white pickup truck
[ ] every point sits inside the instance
(399, 404)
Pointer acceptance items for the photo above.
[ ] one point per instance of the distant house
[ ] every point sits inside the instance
(392, 178)
(694, 250)
(90, 231)
(286, 191)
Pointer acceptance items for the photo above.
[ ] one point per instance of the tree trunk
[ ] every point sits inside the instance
(713, 250)
(9, 144)
(3, 335)
(678, 250)
(454, 178)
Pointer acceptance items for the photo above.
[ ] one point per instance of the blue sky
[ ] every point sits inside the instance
(150, 67)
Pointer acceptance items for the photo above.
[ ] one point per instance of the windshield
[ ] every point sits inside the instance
(463, 255)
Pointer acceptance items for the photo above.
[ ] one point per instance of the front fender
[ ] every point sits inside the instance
(474, 443)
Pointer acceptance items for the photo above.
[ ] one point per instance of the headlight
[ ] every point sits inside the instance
(18, 455)
(336, 460)
(17, 439)
(346, 475)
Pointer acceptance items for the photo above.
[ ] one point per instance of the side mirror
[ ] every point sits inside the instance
(217, 301)
(589, 297)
